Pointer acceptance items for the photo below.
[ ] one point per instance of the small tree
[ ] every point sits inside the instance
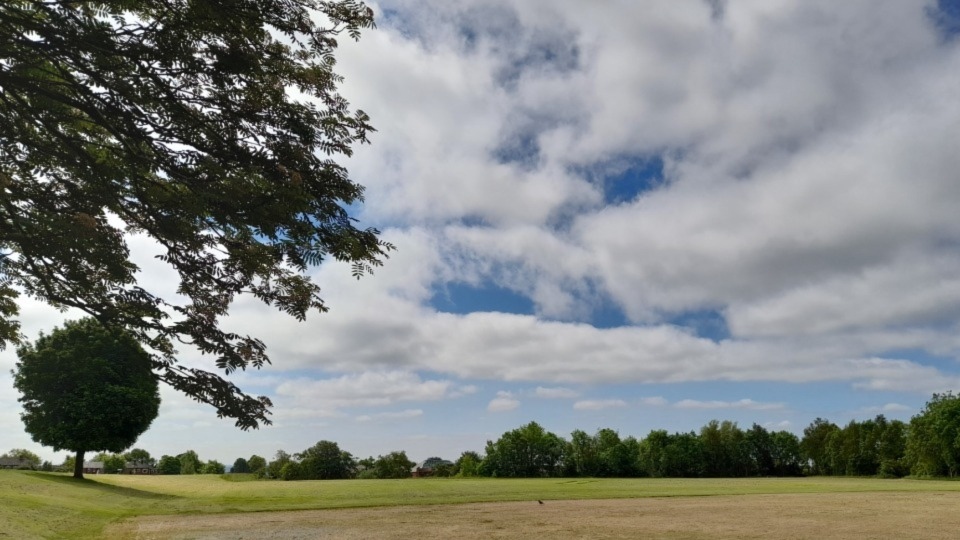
(169, 465)
(213, 467)
(257, 464)
(393, 465)
(190, 463)
(139, 455)
(240, 466)
(86, 387)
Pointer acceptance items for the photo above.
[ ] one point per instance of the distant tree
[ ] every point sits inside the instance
(893, 449)
(760, 448)
(30, 460)
(528, 451)
(169, 465)
(213, 467)
(468, 464)
(112, 463)
(653, 448)
(682, 456)
(291, 470)
(581, 456)
(46, 466)
(279, 460)
(86, 387)
(785, 450)
(257, 464)
(240, 466)
(213, 128)
(814, 446)
(326, 461)
(68, 464)
(190, 463)
(139, 455)
(933, 440)
(393, 465)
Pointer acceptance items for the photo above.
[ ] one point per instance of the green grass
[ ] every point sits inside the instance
(46, 505)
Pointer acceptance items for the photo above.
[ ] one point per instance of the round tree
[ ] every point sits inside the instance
(86, 387)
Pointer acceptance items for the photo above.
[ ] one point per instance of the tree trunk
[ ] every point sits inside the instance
(78, 465)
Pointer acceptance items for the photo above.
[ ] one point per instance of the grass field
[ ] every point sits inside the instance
(44, 505)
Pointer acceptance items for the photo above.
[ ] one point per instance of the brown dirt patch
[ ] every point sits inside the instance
(846, 515)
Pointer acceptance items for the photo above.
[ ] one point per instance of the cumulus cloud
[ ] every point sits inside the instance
(391, 415)
(740, 404)
(368, 389)
(654, 401)
(558, 392)
(503, 402)
(599, 404)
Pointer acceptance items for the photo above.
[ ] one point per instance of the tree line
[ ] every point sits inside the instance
(929, 445)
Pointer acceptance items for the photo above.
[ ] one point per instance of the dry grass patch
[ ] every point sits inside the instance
(929, 515)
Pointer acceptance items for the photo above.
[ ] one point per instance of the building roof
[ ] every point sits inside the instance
(12, 462)
(92, 464)
(431, 463)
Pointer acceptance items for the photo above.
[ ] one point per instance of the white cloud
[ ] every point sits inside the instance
(503, 402)
(393, 415)
(654, 401)
(555, 393)
(748, 404)
(368, 389)
(598, 404)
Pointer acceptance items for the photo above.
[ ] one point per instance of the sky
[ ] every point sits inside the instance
(614, 214)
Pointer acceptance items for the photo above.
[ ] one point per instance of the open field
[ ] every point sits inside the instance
(38, 505)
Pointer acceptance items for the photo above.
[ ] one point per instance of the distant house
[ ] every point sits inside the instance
(13, 463)
(428, 467)
(138, 467)
(93, 467)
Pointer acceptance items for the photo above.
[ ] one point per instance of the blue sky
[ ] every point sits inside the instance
(619, 214)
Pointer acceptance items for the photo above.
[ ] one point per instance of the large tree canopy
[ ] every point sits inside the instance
(209, 125)
(86, 387)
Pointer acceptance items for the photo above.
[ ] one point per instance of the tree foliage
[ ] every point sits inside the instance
(139, 455)
(933, 444)
(393, 465)
(86, 387)
(29, 459)
(325, 461)
(528, 451)
(211, 127)
(240, 466)
(169, 465)
(257, 464)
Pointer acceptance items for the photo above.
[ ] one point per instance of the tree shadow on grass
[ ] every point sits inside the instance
(95, 487)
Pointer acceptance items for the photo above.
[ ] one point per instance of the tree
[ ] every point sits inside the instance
(279, 460)
(257, 464)
(528, 451)
(933, 440)
(112, 463)
(468, 464)
(813, 445)
(325, 461)
(139, 455)
(213, 467)
(190, 463)
(86, 387)
(240, 466)
(169, 465)
(209, 126)
(26, 457)
(393, 465)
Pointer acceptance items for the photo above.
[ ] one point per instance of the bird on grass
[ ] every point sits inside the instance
(539, 501)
